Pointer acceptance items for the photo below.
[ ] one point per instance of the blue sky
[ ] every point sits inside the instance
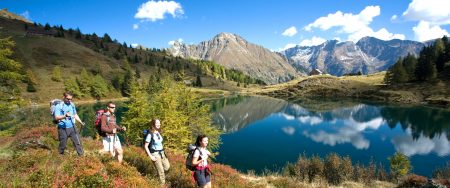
(274, 24)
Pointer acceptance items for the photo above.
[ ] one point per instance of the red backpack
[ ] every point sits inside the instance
(98, 121)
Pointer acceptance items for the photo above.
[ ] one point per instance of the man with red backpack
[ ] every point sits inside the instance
(109, 129)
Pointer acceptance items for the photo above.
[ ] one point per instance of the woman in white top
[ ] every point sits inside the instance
(202, 174)
(154, 148)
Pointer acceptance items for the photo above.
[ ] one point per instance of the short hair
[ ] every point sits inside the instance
(109, 103)
(67, 93)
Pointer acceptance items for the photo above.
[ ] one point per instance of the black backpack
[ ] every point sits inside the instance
(145, 133)
(191, 150)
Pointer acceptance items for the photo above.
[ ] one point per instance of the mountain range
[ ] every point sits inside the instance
(234, 52)
(368, 55)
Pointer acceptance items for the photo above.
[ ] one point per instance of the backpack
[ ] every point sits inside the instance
(98, 121)
(145, 133)
(191, 150)
(54, 104)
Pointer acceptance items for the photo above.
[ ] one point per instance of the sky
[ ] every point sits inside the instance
(274, 24)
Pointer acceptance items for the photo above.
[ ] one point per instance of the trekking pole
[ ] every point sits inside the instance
(114, 142)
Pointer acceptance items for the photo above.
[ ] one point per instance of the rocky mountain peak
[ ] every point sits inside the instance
(234, 52)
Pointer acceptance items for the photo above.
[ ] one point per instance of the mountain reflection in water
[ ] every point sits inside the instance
(279, 131)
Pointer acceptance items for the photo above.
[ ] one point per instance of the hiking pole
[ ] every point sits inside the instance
(114, 142)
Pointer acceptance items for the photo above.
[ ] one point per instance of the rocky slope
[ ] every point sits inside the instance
(368, 55)
(234, 52)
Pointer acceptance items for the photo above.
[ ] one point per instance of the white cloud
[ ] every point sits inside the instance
(135, 26)
(436, 12)
(155, 10)
(394, 17)
(172, 42)
(289, 130)
(356, 25)
(287, 117)
(421, 146)
(356, 139)
(311, 120)
(134, 45)
(314, 41)
(26, 15)
(424, 31)
(290, 45)
(290, 32)
(382, 34)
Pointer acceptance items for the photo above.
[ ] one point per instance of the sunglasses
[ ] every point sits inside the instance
(69, 99)
(111, 107)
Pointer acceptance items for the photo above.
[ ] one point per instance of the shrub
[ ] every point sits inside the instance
(400, 165)
(414, 181)
(315, 168)
(124, 175)
(301, 168)
(346, 168)
(358, 173)
(370, 172)
(382, 175)
(331, 169)
(289, 170)
(135, 156)
(442, 172)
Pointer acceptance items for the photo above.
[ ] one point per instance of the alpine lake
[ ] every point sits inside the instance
(263, 133)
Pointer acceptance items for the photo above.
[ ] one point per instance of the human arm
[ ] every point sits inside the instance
(59, 113)
(148, 151)
(147, 141)
(78, 119)
(196, 160)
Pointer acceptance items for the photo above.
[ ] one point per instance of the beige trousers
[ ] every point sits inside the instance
(161, 164)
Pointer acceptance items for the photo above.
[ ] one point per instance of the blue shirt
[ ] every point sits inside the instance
(61, 110)
(157, 141)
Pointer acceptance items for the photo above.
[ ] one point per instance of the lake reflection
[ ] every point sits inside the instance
(267, 133)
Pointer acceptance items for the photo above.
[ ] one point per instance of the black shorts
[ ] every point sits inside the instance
(202, 177)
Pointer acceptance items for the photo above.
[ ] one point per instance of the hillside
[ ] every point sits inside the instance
(31, 159)
(42, 48)
(365, 87)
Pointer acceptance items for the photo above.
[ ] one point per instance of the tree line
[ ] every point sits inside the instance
(148, 56)
(432, 64)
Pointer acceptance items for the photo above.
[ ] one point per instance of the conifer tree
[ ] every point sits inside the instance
(398, 72)
(47, 27)
(71, 86)
(78, 33)
(107, 38)
(426, 70)
(31, 77)
(181, 113)
(9, 77)
(410, 64)
(128, 80)
(85, 82)
(99, 88)
(56, 74)
(198, 82)
(31, 81)
(137, 117)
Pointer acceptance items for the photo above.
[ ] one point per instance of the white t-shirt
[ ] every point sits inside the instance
(204, 156)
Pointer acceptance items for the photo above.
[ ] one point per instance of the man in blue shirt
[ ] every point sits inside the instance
(66, 114)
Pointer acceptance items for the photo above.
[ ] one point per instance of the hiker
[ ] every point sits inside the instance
(155, 150)
(65, 115)
(202, 174)
(109, 129)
